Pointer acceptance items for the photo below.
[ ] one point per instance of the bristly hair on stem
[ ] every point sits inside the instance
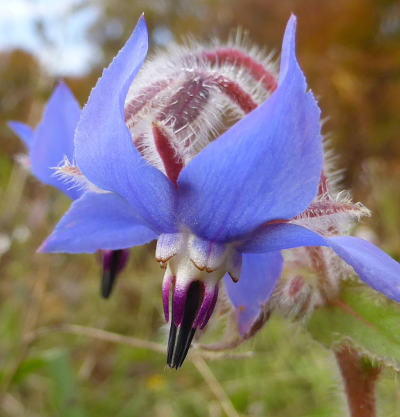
(359, 380)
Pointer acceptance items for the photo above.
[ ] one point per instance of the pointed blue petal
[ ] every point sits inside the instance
(266, 167)
(23, 131)
(260, 273)
(281, 236)
(54, 139)
(288, 56)
(373, 266)
(104, 148)
(97, 221)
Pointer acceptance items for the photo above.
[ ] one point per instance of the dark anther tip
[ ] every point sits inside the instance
(111, 267)
(171, 343)
(180, 338)
(107, 282)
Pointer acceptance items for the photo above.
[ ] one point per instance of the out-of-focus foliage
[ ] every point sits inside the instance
(350, 51)
(369, 321)
(19, 78)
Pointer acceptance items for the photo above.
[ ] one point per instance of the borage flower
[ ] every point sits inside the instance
(311, 276)
(52, 140)
(51, 143)
(225, 212)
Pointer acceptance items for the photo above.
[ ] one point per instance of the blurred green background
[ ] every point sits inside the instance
(350, 52)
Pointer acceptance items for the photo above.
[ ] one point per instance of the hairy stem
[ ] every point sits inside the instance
(359, 380)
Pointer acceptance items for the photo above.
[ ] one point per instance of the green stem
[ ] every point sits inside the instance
(359, 379)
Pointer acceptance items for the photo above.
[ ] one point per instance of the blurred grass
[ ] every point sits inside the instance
(64, 375)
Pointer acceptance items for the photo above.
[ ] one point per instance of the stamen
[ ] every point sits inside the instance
(166, 286)
(179, 302)
(206, 304)
(187, 346)
(171, 342)
(113, 263)
(211, 308)
(178, 351)
(238, 58)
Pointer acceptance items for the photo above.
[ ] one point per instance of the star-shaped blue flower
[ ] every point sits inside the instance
(52, 140)
(228, 212)
(51, 143)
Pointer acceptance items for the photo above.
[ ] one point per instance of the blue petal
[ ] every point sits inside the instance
(54, 139)
(104, 149)
(97, 221)
(266, 167)
(22, 130)
(373, 266)
(281, 236)
(288, 56)
(260, 273)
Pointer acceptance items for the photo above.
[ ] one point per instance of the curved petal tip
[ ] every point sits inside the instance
(288, 54)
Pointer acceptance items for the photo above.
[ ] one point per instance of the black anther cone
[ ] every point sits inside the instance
(171, 343)
(179, 347)
(110, 273)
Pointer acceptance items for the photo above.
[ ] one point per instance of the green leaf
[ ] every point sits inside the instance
(29, 366)
(368, 320)
(64, 384)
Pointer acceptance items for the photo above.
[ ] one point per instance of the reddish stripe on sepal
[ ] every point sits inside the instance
(235, 93)
(171, 160)
(240, 59)
(143, 97)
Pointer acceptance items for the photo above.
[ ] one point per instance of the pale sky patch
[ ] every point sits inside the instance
(63, 49)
